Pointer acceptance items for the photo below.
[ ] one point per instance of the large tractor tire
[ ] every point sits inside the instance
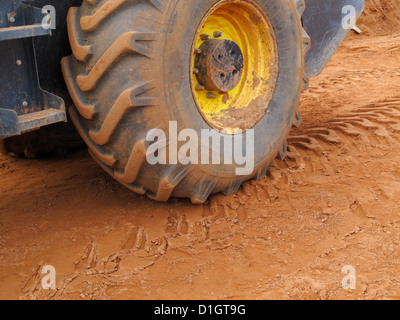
(133, 69)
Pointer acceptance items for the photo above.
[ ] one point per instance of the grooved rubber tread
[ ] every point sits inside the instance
(85, 72)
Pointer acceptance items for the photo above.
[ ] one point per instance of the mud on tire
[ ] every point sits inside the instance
(129, 73)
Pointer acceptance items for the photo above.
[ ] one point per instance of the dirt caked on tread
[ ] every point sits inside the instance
(124, 75)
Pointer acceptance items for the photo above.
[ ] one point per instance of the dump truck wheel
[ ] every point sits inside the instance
(138, 65)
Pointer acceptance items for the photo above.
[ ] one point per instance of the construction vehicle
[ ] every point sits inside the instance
(132, 66)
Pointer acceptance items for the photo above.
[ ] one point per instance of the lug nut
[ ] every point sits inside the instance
(205, 37)
(199, 87)
(18, 62)
(24, 104)
(196, 71)
(218, 34)
(197, 51)
(12, 20)
(211, 95)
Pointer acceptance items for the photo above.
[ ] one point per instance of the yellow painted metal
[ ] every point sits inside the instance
(246, 24)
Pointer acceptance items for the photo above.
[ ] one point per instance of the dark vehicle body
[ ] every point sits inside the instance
(32, 89)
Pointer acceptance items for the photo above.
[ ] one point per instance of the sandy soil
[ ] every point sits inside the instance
(334, 202)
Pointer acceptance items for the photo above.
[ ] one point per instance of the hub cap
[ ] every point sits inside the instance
(220, 65)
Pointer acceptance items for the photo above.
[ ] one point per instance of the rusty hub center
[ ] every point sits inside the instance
(219, 65)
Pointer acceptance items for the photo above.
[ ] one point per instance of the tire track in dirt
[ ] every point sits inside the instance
(313, 152)
(333, 201)
(367, 127)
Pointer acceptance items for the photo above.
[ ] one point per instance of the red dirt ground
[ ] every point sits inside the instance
(335, 201)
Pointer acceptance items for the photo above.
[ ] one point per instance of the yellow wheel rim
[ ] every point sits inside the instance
(244, 106)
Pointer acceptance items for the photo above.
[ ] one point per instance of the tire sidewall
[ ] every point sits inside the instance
(272, 129)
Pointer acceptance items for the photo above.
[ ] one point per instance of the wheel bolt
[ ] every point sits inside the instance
(218, 34)
(199, 87)
(197, 51)
(211, 95)
(196, 71)
(205, 37)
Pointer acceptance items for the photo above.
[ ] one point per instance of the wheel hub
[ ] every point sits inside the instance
(234, 65)
(220, 65)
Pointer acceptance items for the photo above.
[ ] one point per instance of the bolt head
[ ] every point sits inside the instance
(18, 62)
(211, 95)
(25, 104)
(12, 20)
(218, 34)
(205, 37)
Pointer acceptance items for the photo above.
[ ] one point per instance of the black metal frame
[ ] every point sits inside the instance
(24, 106)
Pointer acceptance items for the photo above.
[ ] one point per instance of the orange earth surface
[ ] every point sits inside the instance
(335, 201)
